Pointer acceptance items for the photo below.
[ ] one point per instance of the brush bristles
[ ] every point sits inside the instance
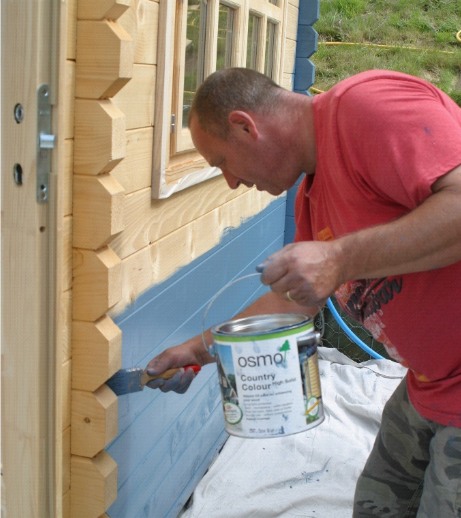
(126, 381)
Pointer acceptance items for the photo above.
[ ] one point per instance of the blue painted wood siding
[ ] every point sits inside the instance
(167, 441)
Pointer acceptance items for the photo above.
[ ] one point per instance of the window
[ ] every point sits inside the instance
(197, 37)
(205, 41)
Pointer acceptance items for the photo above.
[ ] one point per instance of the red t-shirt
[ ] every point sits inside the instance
(382, 139)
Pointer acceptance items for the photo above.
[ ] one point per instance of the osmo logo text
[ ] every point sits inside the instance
(260, 361)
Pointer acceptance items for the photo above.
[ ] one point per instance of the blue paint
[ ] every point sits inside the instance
(306, 45)
(307, 42)
(167, 441)
(304, 76)
(309, 12)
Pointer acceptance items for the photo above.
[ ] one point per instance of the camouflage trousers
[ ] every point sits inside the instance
(414, 469)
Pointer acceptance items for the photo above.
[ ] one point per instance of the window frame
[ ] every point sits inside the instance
(176, 164)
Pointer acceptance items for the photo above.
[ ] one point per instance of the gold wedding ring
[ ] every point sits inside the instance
(288, 296)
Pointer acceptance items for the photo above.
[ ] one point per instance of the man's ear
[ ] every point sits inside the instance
(240, 121)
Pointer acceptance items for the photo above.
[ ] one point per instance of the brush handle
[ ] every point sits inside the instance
(145, 378)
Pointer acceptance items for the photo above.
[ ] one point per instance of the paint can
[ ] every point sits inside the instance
(269, 376)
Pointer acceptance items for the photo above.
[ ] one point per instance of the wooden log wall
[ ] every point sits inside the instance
(123, 242)
(104, 65)
(120, 242)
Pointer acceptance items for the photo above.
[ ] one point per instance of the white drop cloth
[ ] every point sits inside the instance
(310, 474)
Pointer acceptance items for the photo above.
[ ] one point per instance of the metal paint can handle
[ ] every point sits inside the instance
(210, 348)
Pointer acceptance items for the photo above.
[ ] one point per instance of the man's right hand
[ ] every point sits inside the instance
(191, 352)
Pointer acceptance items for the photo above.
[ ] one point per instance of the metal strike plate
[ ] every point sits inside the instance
(45, 143)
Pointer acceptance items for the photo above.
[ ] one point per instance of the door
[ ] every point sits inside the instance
(30, 444)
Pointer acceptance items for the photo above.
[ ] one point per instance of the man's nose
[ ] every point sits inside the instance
(231, 180)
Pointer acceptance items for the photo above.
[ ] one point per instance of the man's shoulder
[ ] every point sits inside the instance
(375, 91)
(372, 80)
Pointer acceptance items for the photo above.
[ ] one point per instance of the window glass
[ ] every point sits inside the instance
(270, 47)
(194, 51)
(252, 41)
(225, 37)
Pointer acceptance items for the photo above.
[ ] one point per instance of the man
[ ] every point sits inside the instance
(378, 217)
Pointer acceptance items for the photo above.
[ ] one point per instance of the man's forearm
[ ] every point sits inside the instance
(427, 238)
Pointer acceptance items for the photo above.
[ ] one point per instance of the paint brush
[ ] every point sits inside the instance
(126, 381)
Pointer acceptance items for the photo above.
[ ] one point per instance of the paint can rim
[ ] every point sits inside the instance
(263, 325)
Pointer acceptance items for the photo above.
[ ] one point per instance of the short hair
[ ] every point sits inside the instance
(232, 89)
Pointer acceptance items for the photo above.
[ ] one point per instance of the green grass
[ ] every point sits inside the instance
(419, 35)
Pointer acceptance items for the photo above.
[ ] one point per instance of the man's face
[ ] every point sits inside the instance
(240, 157)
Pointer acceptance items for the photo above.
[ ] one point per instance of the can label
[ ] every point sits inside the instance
(270, 385)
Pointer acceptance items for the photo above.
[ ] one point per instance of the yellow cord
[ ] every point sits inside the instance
(316, 90)
(458, 37)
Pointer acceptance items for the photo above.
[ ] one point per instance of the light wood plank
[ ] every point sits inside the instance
(148, 220)
(292, 22)
(100, 141)
(141, 23)
(93, 485)
(97, 350)
(110, 9)
(289, 57)
(94, 421)
(136, 99)
(97, 283)
(135, 170)
(287, 81)
(98, 210)
(206, 230)
(104, 59)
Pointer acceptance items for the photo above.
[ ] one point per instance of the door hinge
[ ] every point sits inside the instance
(173, 123)
(45, 142)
